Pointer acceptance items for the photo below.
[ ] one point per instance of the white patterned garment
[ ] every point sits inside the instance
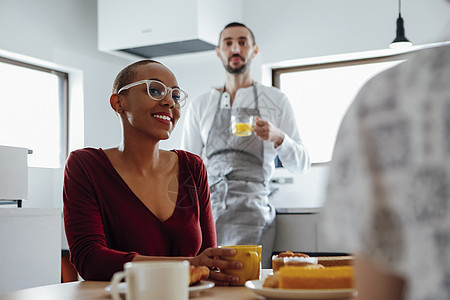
(389, 189)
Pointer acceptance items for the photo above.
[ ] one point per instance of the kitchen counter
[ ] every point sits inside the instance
(298, 201)
(304, 193)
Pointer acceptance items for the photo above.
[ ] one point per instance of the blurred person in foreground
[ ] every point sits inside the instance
(240, 167)
(389, 188)
(137, 202)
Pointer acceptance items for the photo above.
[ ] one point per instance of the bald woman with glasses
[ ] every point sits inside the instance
(137, 202)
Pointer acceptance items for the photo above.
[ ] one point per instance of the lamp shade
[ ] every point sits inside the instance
(13, 173)
(400, 40)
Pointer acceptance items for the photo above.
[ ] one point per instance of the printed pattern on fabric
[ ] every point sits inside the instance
(389, 187)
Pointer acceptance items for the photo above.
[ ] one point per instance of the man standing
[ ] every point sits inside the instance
(239, 168)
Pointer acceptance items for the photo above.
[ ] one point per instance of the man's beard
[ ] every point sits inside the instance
(239, 70)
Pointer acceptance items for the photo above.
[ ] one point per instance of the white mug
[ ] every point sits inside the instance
(153, 280)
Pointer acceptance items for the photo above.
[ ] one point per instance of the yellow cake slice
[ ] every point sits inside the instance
(334, 261)
(291, 277)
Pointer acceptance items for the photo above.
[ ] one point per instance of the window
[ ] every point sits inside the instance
(34, 111)
(321, 94)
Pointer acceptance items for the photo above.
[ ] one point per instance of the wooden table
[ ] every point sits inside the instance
(95, 290)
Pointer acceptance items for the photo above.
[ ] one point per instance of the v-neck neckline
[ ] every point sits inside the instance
(111, 166)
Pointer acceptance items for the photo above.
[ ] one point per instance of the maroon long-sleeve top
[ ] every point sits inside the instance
(107, 225)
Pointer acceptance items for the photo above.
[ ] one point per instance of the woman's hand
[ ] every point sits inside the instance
(211, 258)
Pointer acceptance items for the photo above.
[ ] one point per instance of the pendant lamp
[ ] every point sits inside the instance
(400, 40)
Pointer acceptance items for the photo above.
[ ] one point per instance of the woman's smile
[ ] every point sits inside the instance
(163, 118)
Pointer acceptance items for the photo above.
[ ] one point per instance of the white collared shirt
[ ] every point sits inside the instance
(274, 106)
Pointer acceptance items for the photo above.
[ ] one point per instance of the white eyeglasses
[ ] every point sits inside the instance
(158, 90)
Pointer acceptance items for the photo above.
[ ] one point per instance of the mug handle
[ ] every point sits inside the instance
(117, 278)
(254, 257)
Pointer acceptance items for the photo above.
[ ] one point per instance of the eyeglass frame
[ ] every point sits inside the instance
(180, 103)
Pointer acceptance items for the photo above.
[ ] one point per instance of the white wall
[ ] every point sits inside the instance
(302, 28)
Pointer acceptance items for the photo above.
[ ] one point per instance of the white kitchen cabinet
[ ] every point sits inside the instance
(13, 174)
(30, 248)
(167, 26)
(296, 232)
(298, 200)
(301, 232)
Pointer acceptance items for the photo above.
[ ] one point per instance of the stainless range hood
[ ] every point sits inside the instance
(142, 28)
(173, 48)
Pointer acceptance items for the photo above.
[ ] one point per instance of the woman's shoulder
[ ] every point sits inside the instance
(87, 154)
(88, 151)
(191, 167)
(189, 160)
(188, 156)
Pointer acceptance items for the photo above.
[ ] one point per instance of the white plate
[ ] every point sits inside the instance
(198, 287)
(273, 293)
(193, 290)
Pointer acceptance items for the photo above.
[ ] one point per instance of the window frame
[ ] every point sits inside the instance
(64, 100)
(274, 71)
